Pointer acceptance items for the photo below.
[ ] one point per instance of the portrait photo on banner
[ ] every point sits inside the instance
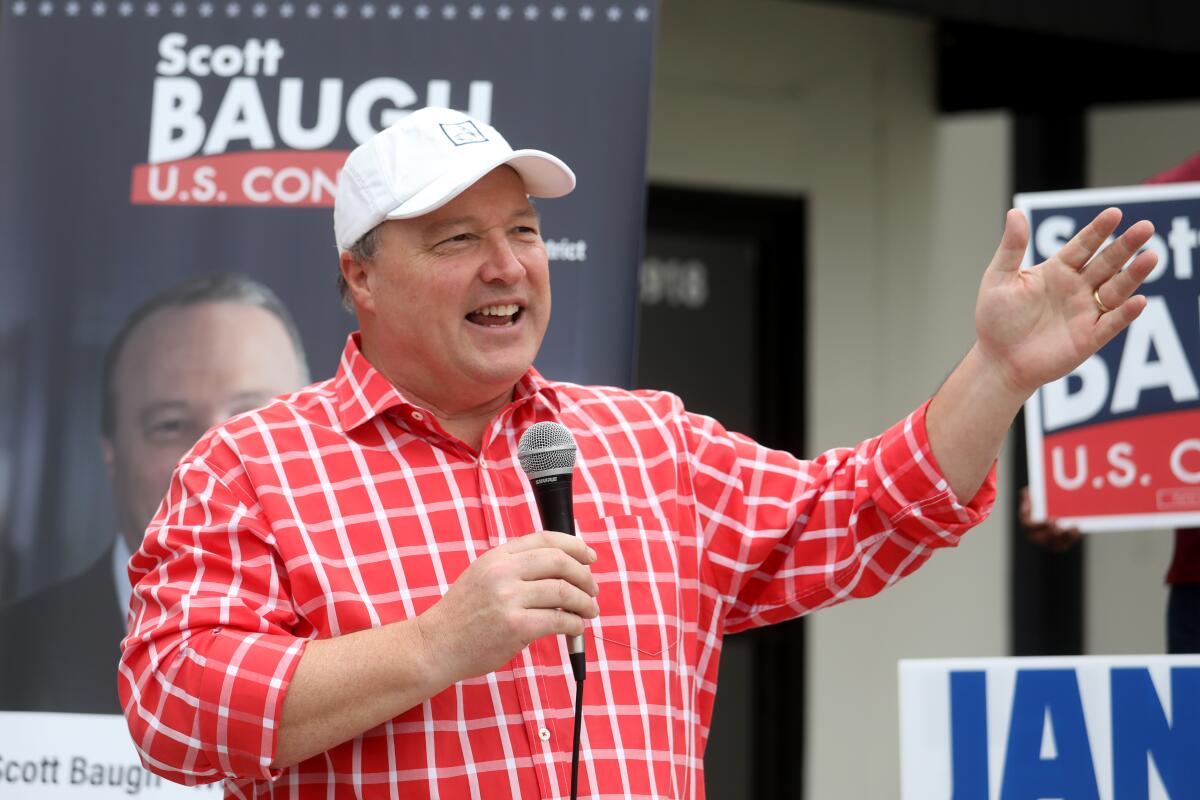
(169, 258)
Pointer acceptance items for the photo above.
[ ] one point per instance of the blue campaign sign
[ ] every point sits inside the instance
(1085, 728)
(1116, 443)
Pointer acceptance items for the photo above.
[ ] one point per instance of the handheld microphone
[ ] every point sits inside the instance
(547, 455)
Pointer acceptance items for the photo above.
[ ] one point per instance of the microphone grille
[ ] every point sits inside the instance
(546, 448)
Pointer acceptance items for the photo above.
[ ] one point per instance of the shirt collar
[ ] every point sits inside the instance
(363, 393)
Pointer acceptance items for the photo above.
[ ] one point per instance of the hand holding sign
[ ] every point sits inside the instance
(1038, 324)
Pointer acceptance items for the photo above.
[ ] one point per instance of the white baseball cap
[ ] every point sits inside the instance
(426, 160)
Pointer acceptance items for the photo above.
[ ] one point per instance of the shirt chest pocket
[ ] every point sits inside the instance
(636, 571)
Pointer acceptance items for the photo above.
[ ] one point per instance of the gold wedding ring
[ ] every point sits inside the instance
(1100, 303)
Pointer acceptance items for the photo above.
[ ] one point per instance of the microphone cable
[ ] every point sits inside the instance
(579, 669)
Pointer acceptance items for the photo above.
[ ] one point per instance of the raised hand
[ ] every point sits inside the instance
(1037, 325)
(1032, 326)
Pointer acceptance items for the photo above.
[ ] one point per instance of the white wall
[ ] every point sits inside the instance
(905, 210)
(1125, 600)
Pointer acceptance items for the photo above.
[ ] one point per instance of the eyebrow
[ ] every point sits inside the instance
(256, 396)
(526, 213)
(145, 412)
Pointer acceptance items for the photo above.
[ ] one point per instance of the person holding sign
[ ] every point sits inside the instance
(1183, 574)
(348, 591)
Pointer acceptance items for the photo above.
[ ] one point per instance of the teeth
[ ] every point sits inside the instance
(499, 311)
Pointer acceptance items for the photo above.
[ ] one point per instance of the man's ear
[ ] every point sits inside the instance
(354, 272)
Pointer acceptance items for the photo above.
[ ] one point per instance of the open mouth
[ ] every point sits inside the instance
(502, 316)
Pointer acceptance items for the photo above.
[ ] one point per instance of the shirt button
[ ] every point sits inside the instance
(418, 416)
(544, 734)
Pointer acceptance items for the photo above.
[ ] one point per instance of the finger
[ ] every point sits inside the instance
(1112, 258)
(1026, 508)
(571, 545)
(547, 562)
(1115, 321)
(1084, 245)
(539, 622)
(558, 593)
(1013, 242)
(1120, 287)
(1039, 536)
(1064, 539)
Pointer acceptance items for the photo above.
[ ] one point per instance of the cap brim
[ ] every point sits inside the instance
(544, 175)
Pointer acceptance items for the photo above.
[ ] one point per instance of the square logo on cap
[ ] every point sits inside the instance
(463, 133)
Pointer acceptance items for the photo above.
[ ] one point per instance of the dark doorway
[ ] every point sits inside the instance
(722, 318)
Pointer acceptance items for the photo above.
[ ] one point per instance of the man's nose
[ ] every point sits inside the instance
(502, 263)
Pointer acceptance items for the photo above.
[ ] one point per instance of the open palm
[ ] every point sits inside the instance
(1041, 323)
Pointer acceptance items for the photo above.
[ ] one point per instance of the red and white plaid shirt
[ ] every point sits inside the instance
(344, 506)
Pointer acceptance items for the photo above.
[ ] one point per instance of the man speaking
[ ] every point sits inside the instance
(347, 593)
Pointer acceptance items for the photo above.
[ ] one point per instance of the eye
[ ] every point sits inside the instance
(167, 429)
(452, 242)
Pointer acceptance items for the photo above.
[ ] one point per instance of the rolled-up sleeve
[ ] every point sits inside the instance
(784, 536)
(210, 652)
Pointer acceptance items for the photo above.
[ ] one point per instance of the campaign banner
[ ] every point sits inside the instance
(1115, 444)
(1087, 728)
(85, 756)
(166, 218)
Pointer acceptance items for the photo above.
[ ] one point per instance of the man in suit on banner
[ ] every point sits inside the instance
(184, 361)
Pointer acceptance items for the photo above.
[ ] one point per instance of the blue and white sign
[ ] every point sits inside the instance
(1094, 728)
(50, 756)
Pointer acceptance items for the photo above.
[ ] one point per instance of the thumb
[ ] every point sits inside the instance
(1012, 244)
